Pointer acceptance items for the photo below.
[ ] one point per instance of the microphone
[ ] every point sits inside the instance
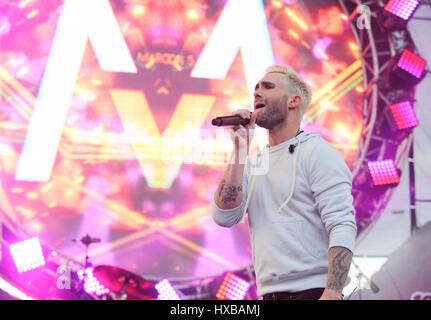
(229, 121)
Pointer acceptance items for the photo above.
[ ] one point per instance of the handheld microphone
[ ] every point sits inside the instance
(229, 121)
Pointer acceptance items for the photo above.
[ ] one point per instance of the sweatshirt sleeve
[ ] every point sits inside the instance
(331, 185)
(230, 217)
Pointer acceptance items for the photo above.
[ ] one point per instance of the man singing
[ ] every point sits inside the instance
(300, 211)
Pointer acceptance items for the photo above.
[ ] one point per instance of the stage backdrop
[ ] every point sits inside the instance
(106, 111)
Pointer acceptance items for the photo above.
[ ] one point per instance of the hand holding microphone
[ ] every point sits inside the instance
(238, 117)
(241, 127)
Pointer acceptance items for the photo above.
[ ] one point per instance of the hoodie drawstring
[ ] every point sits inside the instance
(253, 178)
(294, 176)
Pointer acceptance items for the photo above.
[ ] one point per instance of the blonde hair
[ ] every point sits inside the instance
(297, 84)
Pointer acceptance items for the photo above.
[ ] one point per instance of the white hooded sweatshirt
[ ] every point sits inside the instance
(297, 210)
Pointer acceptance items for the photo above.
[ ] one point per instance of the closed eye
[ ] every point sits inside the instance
(265, 84)
(268, 85)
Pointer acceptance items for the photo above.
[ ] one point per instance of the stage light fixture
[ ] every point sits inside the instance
(90, 282)
(403, 115)
(412, 63)
(232, 288)
(166, 291)
(404, 71)
(396, 13)
(402, 8)
(383, 172)
(27, 254)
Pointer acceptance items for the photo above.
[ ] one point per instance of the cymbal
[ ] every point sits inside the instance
(120, 281)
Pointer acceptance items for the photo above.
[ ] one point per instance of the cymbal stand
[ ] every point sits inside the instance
(87, 240)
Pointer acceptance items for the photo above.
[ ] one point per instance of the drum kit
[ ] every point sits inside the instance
(122, 284)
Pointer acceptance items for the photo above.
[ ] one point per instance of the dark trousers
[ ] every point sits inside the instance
(310, 294)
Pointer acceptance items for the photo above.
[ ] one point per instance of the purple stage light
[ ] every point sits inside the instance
(383, 172)
(232, 288)
(402, 8)
(91, 284)
(404, 115)
(27, 254)
(412, 63)
(166, 291)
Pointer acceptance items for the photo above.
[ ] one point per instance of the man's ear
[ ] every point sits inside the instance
(294, 102)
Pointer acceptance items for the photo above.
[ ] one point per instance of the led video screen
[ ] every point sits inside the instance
(106, 111)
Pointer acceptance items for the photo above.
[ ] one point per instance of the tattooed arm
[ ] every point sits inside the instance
(339, 264)
(229, 192)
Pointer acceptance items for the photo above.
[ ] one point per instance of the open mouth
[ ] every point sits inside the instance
(259, 105)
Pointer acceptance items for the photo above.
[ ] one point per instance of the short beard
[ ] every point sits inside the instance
(274, 113)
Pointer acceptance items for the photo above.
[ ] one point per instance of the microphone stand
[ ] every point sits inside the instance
(86, 241)
(360, 276)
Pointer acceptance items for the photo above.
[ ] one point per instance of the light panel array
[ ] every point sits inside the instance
(412, 63)
(232, 288)
(166, 291)
(402, 8)
(404, 115)
(27, 254)
(91, 284)
(383, 172)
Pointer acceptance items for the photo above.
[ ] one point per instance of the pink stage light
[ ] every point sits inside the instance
(383, 172)
(27, 254)
(404, 115)
(91, 284)
(412, 63)
(402, 8)
(166, 291)
(232, 288)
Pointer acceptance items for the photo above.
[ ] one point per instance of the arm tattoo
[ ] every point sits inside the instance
(228, 192)
(221, 186)
(339, 264)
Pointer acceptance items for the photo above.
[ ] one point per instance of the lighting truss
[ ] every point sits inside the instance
(377, 52)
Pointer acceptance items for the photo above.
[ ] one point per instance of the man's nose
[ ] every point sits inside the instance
(256, 94)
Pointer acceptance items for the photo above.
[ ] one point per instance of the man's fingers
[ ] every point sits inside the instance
(243, 132)
(243, 113)
(252, 122)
